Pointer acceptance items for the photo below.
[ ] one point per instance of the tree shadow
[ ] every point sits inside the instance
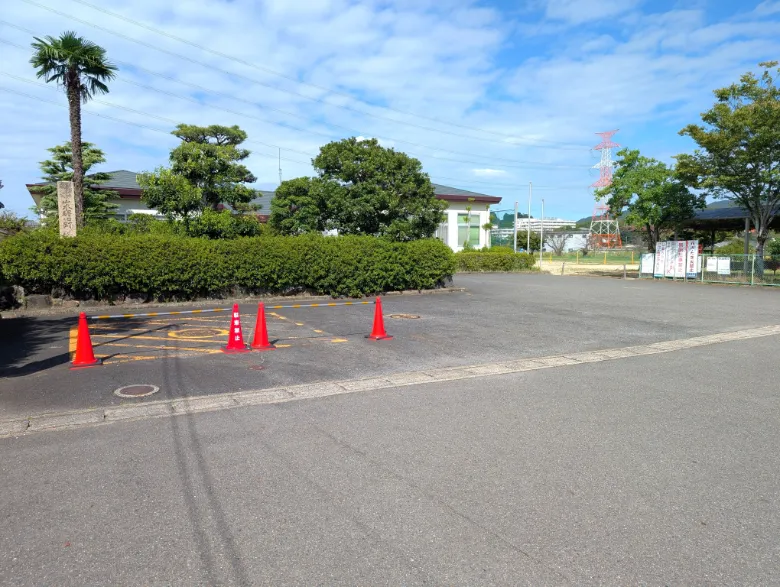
(29, 345)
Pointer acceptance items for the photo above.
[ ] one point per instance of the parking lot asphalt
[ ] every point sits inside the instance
(499, 317)
(650, 470)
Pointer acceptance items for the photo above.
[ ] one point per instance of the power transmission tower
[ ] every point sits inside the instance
(604, 230)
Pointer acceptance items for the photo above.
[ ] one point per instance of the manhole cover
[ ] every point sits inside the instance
(405, 316)
(141, 390)
(256, 367)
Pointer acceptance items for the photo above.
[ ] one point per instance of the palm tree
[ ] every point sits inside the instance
(81, 68)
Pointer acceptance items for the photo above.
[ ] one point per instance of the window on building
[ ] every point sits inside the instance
(441, 232)
(468, 234)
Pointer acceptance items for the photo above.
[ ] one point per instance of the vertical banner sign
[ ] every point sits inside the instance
(646, 263)
(692, 266)
(658, 265)
(680, 259)
(671, 253)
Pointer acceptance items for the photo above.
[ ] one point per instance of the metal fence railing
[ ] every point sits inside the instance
(736, 269)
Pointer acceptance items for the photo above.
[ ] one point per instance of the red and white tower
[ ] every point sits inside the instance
(604, 230)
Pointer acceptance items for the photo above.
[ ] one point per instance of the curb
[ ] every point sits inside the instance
(207, 403)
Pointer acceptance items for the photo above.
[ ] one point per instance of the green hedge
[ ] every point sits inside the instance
(482, 261)
(169, 267)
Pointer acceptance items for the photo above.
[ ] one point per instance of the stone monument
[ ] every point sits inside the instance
(66, 202)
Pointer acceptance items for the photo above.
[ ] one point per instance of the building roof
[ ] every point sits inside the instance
(724, 216)
(451, 194)
(124, 182)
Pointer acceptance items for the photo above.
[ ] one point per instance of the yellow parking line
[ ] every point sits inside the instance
(339, 340)
(161, 347)
(72, 338)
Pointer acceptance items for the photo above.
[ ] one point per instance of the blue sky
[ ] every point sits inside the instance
(488, 95)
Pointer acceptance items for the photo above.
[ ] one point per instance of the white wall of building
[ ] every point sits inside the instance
(453, 233)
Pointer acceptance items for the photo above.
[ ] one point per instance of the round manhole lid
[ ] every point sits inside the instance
(404, 316)
(136, 390)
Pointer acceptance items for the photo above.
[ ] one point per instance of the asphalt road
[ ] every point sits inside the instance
(652, 470)
(502, 317)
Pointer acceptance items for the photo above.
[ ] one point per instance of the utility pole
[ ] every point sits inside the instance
(280, 166)
(528, 232)
(541, 236)
(514, 231)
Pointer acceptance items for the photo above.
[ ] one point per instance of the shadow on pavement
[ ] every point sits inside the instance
(29, 345)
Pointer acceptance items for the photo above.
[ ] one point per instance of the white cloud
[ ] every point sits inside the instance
(768, 8)
(448, 60)
(579, 11)
(488, 172)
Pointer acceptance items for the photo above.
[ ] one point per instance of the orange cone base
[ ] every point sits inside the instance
(375, 337)
(228, 351)
(268, 347)
(97, 363)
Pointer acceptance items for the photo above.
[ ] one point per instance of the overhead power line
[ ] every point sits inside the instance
(303, 83)
(490, 159)
(107, 103)
(266, 155)
(564, 146)
(139, 125)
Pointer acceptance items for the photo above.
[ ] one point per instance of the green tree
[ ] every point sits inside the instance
(170, 194)
(646, 193)
(299, 206)
(522, 241)
(209, 158)
(364, 188)
(81, 68)
(60, 168)
(738, 157)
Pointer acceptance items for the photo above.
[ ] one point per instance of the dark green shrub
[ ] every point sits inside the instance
(103, 265)
(478, 261)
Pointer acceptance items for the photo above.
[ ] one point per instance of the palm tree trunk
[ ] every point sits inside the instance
(74, 104)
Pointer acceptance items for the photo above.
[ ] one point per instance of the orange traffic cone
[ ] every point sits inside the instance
(378, 332)
(260, 340)
(236, 337)
(85, 356)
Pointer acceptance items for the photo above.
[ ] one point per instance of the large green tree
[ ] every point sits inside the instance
(81, 68)
(209, 158)
(170, 194)
(361, 188)
(739, 148)
(298, 206)
(646, 193)
(60, 168)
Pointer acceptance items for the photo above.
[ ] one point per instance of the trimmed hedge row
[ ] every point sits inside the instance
(479, 261)
(168, 267)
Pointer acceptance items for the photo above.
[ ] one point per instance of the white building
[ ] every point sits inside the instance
(549, 224)
(466, 214)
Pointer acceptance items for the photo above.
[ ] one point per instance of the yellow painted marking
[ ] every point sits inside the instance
(296, 305)
(132, 337)
(104, 317)
(319, 331)
(72, 338)
(299, 323)
(339, 340)
(347, 303)
(283, 346)
(128, 315)
(162, 347)
(220, 332)
(332, 304)
(174, 313)
(153, 314)
(315, 305)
